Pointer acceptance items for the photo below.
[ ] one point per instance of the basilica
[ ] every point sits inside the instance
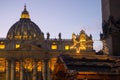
(25, 54)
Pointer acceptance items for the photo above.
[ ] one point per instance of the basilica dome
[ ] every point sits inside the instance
(25, 29)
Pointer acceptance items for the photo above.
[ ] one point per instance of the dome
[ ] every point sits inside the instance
(25, 29)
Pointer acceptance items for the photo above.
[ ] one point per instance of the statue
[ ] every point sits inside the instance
(48, 35)
(90, 36)
(105, 27)
(59, 35)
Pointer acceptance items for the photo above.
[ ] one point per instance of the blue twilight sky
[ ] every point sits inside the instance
(54, 16)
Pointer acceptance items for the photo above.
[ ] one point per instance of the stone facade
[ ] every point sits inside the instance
(110, 8)
(111, 27)
(26, 55)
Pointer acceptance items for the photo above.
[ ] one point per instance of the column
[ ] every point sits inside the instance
(13, 70)
(45, 69)
(39, 73)
(21, 70)
(42, 68)
(7, 69)
(48, 70)
(35, 70)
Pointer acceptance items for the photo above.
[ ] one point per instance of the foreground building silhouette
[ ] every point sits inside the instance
(26, 55)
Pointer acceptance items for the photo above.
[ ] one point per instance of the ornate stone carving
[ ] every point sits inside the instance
(110, 26)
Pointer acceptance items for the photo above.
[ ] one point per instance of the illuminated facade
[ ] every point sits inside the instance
(26, 55)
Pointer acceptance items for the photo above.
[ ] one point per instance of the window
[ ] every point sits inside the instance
(17, 45)
(18, 37)
(53, 46)
(2, 45)
(67, 47)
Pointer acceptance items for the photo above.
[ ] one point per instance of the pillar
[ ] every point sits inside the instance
(48, 70)
(13, 70)
(39, 72)
(7, 69)
(21, 71)
(34, 70)
(45, 69)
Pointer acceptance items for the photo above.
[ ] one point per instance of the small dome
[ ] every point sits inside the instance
(25, 29)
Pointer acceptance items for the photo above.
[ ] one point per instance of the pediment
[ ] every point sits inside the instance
(29, 47)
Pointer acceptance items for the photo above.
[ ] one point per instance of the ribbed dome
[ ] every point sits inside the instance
(25, 29)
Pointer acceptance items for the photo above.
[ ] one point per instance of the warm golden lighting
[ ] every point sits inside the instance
(67, 47)
(25, 13)
(28, 64)
(53, 46)
(18, 37)
(83, 45)
(83, 48)
(17, 66)
(17, 45)
(79, 42)
(52, 63)
(39, 66)
(2, 64)
(25, 16)
(25, 37)
(2, 45)
(77, 51)
(83, 42)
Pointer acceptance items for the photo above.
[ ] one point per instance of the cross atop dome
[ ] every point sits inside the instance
(25, 8)
(25, 13)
